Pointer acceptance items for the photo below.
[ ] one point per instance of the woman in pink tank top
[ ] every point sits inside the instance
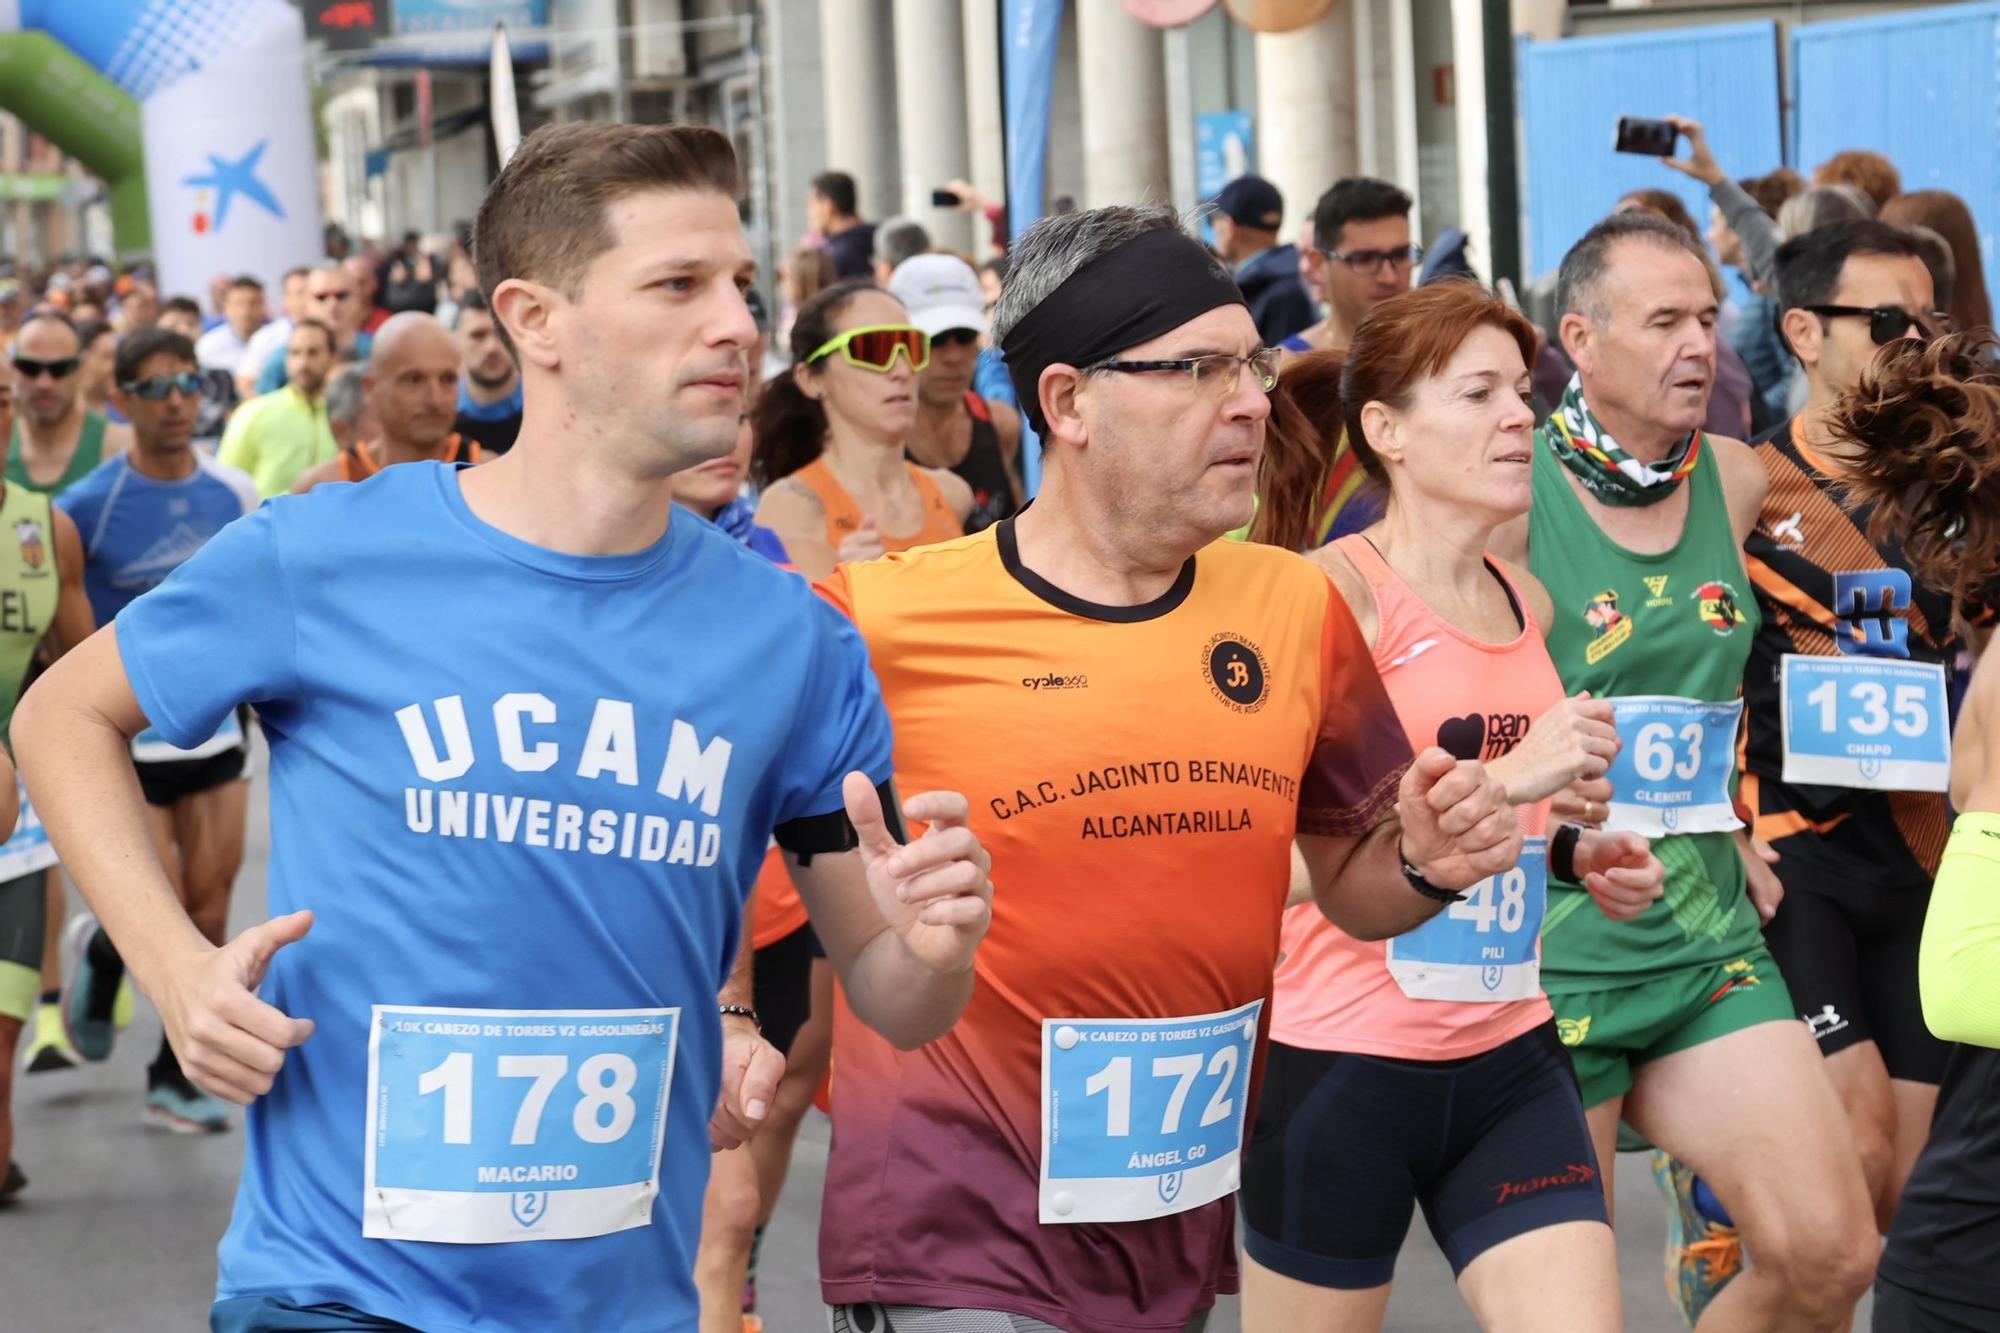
(1426, 1069)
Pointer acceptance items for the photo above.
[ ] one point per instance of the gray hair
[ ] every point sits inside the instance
(345, 398)
(1821, 206)
(900, 238)
(1580, 280)
(1050, 253)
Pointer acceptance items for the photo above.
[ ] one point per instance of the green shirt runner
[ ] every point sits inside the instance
(1677, 623)
(89, 453)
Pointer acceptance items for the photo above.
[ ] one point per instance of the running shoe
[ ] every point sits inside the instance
(49, 1049)
(13, 1184)
(1703, 1253)
(87, 1014)
(174, 1103)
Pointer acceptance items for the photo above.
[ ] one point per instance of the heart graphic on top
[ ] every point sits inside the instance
(1464, 737)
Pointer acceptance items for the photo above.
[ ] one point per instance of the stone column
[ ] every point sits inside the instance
(1124, 93)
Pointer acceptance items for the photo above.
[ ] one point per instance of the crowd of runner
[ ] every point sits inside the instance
(1439, 745)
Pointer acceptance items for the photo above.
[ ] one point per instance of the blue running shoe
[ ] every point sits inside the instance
(1703, 1253)
(175, 1104)
(90, 997)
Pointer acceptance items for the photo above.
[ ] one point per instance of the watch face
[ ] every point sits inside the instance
(1167, 13)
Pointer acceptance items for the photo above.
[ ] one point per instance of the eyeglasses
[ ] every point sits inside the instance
(159, 388)
(55, 370)
(1217, 374)
(955, 338)
(1369, 262)
(1886, 323)
(877, 347)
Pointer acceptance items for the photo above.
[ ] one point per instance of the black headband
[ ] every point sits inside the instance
(1148, 286)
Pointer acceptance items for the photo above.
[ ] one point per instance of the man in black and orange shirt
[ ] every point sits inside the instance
(1165, 711)
(1847, 725)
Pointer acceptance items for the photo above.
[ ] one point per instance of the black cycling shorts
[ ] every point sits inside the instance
(175, 779)
(1345, 1146)
(1848, 952)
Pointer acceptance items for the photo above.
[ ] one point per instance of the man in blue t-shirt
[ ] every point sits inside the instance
(141, 514)
(530, 738)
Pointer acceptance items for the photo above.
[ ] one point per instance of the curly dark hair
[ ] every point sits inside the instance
(1928, 416)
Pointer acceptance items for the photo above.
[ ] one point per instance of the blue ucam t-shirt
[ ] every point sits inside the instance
(526, 795)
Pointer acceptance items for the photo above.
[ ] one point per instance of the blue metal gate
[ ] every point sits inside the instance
(1922, 87)
(1572, 92)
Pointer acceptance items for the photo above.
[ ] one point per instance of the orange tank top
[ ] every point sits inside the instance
(843, 516)
(1477, 700)
(357, 464)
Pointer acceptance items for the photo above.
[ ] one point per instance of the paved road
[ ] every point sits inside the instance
(118, 1230)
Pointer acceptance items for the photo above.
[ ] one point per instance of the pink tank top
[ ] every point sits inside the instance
(1336, 993)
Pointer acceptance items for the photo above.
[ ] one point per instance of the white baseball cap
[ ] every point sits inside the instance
(941, 292)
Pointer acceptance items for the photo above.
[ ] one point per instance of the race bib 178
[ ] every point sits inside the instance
(493, 1125)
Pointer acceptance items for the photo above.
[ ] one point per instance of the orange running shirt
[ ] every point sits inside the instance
(843, 516)
(358, 464)
(1138, 778)
(1476, 699)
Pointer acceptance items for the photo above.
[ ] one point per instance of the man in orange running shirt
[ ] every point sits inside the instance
(1161, 713)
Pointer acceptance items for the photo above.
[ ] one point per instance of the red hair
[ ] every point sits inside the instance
(1399, 344)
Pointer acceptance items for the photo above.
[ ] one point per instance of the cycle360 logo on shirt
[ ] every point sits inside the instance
(1142, 1118)
(493, 1125)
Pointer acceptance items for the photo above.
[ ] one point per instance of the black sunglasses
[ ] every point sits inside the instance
(955, 338)
(159, 388)
(55, 370)
(1886, 323)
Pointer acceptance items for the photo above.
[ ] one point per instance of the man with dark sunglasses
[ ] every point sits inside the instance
(56, 437)
(956, 429)
(1859, 843)
(143, 513)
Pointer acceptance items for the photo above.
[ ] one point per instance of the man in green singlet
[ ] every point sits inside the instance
(1678, 1022)
(41, 595)
(55, 440)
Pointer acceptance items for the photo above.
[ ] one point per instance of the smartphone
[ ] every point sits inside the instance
(1647, 138)
(944, 199)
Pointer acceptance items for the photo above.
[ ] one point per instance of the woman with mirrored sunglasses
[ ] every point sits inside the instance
(830, 437)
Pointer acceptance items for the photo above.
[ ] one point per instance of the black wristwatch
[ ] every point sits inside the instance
(1415, 879)
(1562, 854)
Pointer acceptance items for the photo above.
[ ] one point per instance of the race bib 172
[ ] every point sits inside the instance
(1143, 1117)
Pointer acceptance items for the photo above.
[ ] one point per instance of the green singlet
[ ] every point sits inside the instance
(29, 586)
(89, 453)
(1677, 623)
